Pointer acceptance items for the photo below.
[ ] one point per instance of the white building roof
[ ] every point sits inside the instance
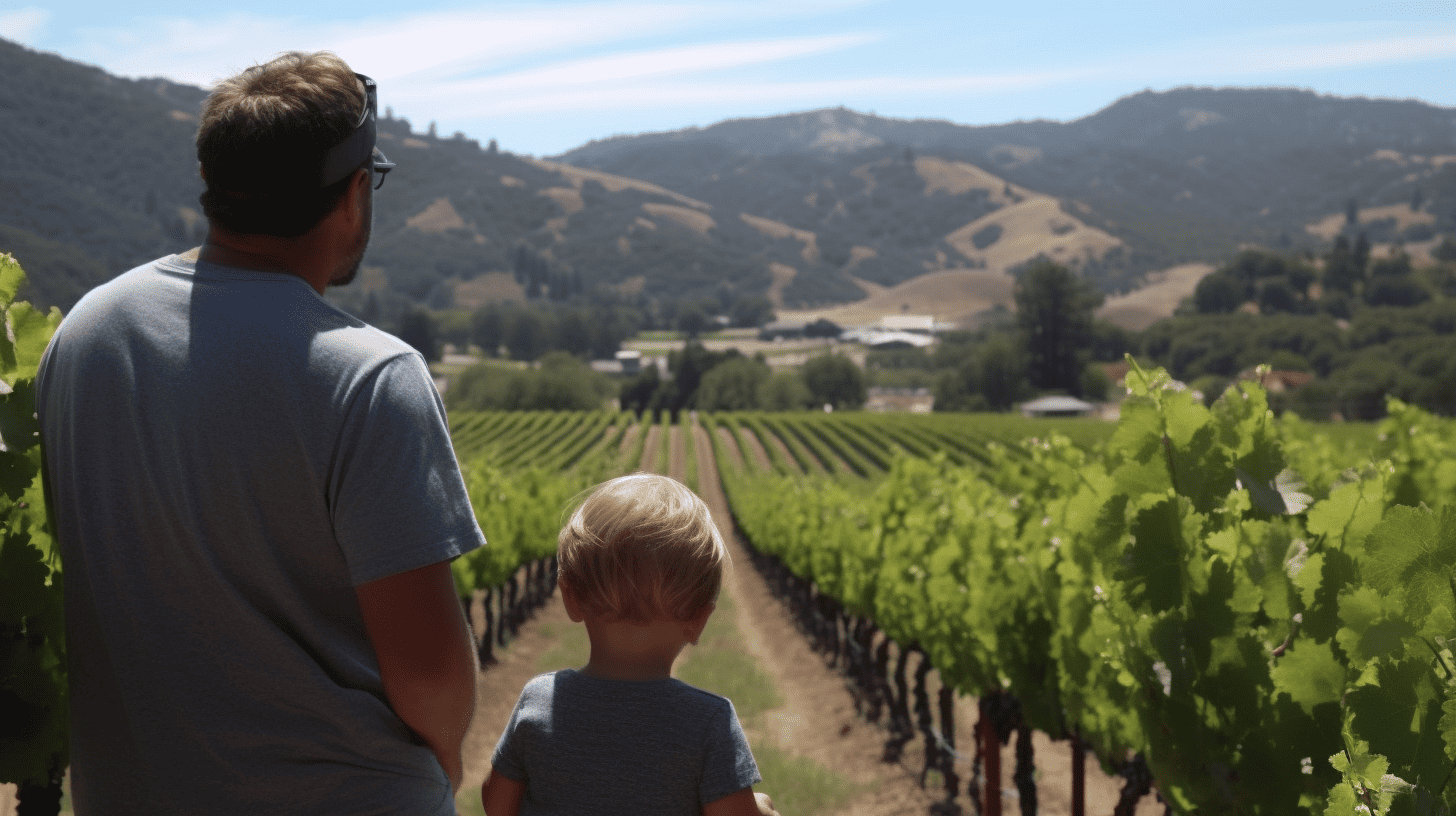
(1059, 405)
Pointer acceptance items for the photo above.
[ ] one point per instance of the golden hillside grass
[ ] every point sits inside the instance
(956, 178)
(952, 296)
(491, 287)
(1035, 226)
(1164, 291)
(778, 229)
(614, 184)
(699, 222)
(437, 217)
(783, 275)
(567, 198)
(1330, 226)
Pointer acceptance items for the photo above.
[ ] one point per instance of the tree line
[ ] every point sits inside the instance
(1357, 328)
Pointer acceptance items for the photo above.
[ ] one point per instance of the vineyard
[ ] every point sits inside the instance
(1240, 613)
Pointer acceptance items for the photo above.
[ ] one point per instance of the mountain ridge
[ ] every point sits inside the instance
(812, 208)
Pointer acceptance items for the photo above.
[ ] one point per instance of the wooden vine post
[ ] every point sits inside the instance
(991, 758)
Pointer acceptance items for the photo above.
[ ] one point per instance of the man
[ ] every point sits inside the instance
(256, 496)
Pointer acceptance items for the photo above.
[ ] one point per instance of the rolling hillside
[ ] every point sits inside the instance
(815, 210)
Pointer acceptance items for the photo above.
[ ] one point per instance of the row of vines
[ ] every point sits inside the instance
(1252, 615)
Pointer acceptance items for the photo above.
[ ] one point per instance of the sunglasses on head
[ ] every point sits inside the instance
(358, 147)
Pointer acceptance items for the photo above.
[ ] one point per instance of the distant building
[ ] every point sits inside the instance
(914, 400)
(919, 324)
(781, 330)
(630, 360)
(883, 340)
(1057, 407)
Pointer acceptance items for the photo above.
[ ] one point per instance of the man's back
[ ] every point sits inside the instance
(229, 456)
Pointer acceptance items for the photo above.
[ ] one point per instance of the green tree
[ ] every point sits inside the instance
(1054, 310)
(751, 311)
(417, 328)
(1342, 273)
(1219, 293)
(784, 391)
(732, 386)
(692, 320)
(833, 379)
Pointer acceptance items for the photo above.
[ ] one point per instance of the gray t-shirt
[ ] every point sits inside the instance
(586, 745)
(228, 457)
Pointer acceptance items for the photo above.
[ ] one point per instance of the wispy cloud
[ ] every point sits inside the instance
(426, 47)
(501, 97)
(22, 25)
(652, 77)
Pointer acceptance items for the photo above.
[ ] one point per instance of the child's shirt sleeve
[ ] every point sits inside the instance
(728, 764)
(507, 759)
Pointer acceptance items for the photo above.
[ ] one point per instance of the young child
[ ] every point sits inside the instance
(641, 564)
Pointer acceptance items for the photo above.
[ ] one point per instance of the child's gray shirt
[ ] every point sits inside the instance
(586, 745)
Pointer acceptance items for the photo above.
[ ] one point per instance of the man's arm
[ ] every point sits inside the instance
(426, 659)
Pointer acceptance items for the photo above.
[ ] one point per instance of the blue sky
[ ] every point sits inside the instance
(544, 77)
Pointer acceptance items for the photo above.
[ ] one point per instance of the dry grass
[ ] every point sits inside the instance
(437, 217)
(956, 177)
(1035, 226)
(783, 275)
(489, 288)
(699, 222)
(1164, 291)
(614, 184)
(952, 296)
(778, 229)
(567, 198)
(1330, 226)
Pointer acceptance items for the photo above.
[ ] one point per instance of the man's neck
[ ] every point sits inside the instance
(266, 253)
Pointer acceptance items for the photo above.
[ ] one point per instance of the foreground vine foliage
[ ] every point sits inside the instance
(1177, 593)
(33, 744)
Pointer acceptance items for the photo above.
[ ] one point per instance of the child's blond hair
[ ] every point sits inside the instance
(642, 548)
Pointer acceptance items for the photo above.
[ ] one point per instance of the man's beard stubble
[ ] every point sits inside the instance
(350, 267)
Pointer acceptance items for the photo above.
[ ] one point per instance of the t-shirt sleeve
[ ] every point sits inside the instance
(397, 497)
(728, 764)
(507, 758)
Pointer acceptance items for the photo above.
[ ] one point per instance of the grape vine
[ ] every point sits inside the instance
(1179, 593)
(33, 745)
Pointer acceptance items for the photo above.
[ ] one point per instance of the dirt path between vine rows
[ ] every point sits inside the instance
(817, 719)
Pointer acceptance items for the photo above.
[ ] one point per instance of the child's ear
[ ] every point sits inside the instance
(569, 600)
(693, 628)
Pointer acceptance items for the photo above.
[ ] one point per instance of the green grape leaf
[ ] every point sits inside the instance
(1374, 626)
(1154, 566)
(1310, 674)
(1399, 715)
(11, 277)
(1448, 726)
(1342, 798)
(1414, 549)
(1362, 766)
(25, 573)
(32, 329)
(1350, 512)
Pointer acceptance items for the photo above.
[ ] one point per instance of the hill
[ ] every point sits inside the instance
(813, 209)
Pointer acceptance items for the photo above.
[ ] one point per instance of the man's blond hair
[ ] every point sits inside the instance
(642, 548)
